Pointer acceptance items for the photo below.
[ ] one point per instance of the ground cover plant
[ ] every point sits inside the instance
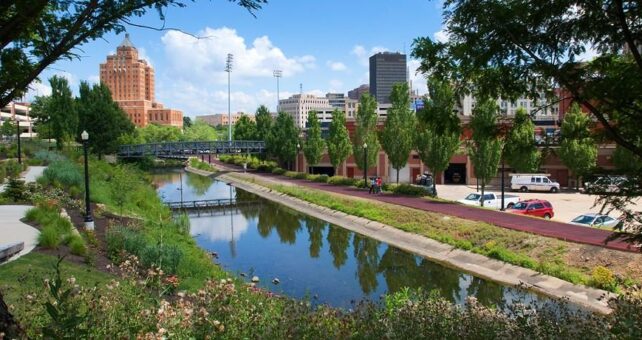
(200, 165)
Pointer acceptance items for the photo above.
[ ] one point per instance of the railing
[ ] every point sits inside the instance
(186, 149)
(210, 206)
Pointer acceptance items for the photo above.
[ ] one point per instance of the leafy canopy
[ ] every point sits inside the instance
(339, 147)
(245, 129)
(396, 137)
(314, 144)
(520, 150)
(366, 132)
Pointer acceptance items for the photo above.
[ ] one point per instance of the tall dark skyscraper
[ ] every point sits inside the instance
(386, 69)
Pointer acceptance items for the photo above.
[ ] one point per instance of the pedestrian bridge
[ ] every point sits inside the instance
(213, 207)
(187, 149)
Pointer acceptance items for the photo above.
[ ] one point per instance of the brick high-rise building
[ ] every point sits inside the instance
(131, 82)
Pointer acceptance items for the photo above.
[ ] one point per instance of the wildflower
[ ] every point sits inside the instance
(216, 323)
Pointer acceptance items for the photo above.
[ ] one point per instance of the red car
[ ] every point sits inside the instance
(533, 207)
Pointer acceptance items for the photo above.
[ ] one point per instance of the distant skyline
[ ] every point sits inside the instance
(322, 45)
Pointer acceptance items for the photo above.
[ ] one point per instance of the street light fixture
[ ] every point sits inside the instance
(298, 147)
(365, 164)
(18, 137)
(277, 74)
(228, 69)
(89, 221)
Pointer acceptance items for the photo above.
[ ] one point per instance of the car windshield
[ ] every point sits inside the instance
(473, 197)
(584, 219)
(520, 206)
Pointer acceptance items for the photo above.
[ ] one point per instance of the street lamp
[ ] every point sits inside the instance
(228, 69)
(365, 164)
(296, 159)
(18, 137)
(277, 74)
(89, 221)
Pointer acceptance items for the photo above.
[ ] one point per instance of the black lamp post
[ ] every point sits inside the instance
(365, 164)
(503, 166)
(18, 137)
(89, 221)
(296, 159)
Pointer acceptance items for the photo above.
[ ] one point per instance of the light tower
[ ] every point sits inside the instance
(277, 74)
(228, 69)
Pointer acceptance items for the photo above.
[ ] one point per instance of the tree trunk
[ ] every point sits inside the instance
(8, 324)
(483, 186)
(397, 176)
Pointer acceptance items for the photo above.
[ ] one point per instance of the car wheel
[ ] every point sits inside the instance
(547, 216)
(523, 189)
(554, 190)
(510, 205)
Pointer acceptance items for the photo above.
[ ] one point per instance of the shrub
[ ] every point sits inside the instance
(77, 245)
(47, 157)
(224, 158)
(182, 223)
(197, 164)
(66, 174)
(49, 237)
(409, 190)
(297, 175)
(279, 171)
(340, 180)
(603, 277)
(166, 257)
(264, 168)
(13, 168)
(319, 178)
(360, 183)
(15, 190)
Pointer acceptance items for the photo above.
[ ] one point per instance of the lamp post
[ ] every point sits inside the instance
(365, 164)
(18, 137)
(296, 159)
(228, 69)
(277, 74)
(89, 221)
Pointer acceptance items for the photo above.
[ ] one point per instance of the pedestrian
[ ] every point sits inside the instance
(244, 167)
(379, 184)
(373, 183)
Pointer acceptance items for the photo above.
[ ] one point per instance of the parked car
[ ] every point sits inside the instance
(533, 207)
(595, 220)
(604, 184)
(425, 181)
(534, 182)
(490, 200)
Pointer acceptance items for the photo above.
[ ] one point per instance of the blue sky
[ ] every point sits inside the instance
(323, 45)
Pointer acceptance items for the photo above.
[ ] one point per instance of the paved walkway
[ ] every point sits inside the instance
(562, 231)
(11, 229)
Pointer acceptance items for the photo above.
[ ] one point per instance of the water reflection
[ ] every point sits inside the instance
(312, 258)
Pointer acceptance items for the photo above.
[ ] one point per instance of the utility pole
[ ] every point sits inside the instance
(228, 69)
(277, 74)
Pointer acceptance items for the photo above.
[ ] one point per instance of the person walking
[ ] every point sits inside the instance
(379, 184)
(373, 183)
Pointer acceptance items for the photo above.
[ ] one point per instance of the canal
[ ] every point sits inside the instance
(312, 259)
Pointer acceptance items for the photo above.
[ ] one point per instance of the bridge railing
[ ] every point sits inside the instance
(185, 149)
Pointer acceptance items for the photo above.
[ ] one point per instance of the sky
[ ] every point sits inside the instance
(322, 46)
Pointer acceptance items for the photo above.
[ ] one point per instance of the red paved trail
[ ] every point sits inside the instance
(559, 230)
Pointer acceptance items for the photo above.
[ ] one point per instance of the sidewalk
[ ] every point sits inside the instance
(562, 231)
(11, 229)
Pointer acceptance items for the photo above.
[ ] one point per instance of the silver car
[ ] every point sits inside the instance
(595, 220)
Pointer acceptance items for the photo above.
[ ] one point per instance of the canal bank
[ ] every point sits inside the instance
(481, 266)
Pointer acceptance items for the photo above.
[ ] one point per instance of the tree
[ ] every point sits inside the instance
(438, 129)
(8, 128)
(102, 118)
(153, 133)
(577, 149)
(263, 123)
(485, 147)
(520, 150)
(396, 137)
(524, 55)
(245, 129)
(314, 144)
(283, 138)
(36, 33)
(339, 147)
(366, 132)
(187, 122)
(58, 112)
(199, 131)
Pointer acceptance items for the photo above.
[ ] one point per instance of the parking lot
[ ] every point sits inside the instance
(567, 205)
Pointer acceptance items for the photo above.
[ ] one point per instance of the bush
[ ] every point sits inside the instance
(49, 237)
(121, 239)
(47, 157)
(297, 175)
(197, 164)
(166, 257)
(15, 190)
(63, 173)
(279, 171)
(77, 245)
(12, 168)
(319, 178)
(360, 183)
(264, 168)
(409, 190)
(603, 277)
(340, 180)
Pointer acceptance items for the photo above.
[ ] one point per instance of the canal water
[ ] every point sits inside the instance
(313, 259)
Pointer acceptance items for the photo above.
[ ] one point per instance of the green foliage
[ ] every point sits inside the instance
(187, 122)
(8, 128)
(77, 245)
(12, 168)
(278, 171)
(520, 150)
(15, 190)
(199, 131)
(283, 138)
(485, 147)
(59, 115)
(397, 134)
(314, 145)
(340, 180)
(263, 123)
(182, 223)
(63, 173)
(339, 147)
(409, 190)
(319, 178)
(245, 129)
(198, 164)
(603, 278)
(49, 237)
(438, 128)
(577, 149)
(366, 133)
(102, 118)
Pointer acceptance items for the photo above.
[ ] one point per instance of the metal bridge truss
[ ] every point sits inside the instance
(187, 149)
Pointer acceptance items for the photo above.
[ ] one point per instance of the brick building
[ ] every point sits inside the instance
(221, 119)
(131, 82)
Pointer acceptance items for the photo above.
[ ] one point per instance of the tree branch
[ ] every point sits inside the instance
(621, 16)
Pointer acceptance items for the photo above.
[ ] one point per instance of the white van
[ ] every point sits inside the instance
(534, 182)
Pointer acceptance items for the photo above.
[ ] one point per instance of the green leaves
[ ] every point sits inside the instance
(396, 137)
(245, 129)
(314, 144)
(520, 150)
(578, 150)
(339, 147)
(485, 148)
(366, 133)
(284, 138)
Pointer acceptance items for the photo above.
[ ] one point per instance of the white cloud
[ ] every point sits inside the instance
(589, 54)
(418, 80)
(442, 35)
(37, 88)
(142, 54)
(71, 79)
(336, 86)
(93, 79)
(203, 60)
(336, 66)
(364, 54)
